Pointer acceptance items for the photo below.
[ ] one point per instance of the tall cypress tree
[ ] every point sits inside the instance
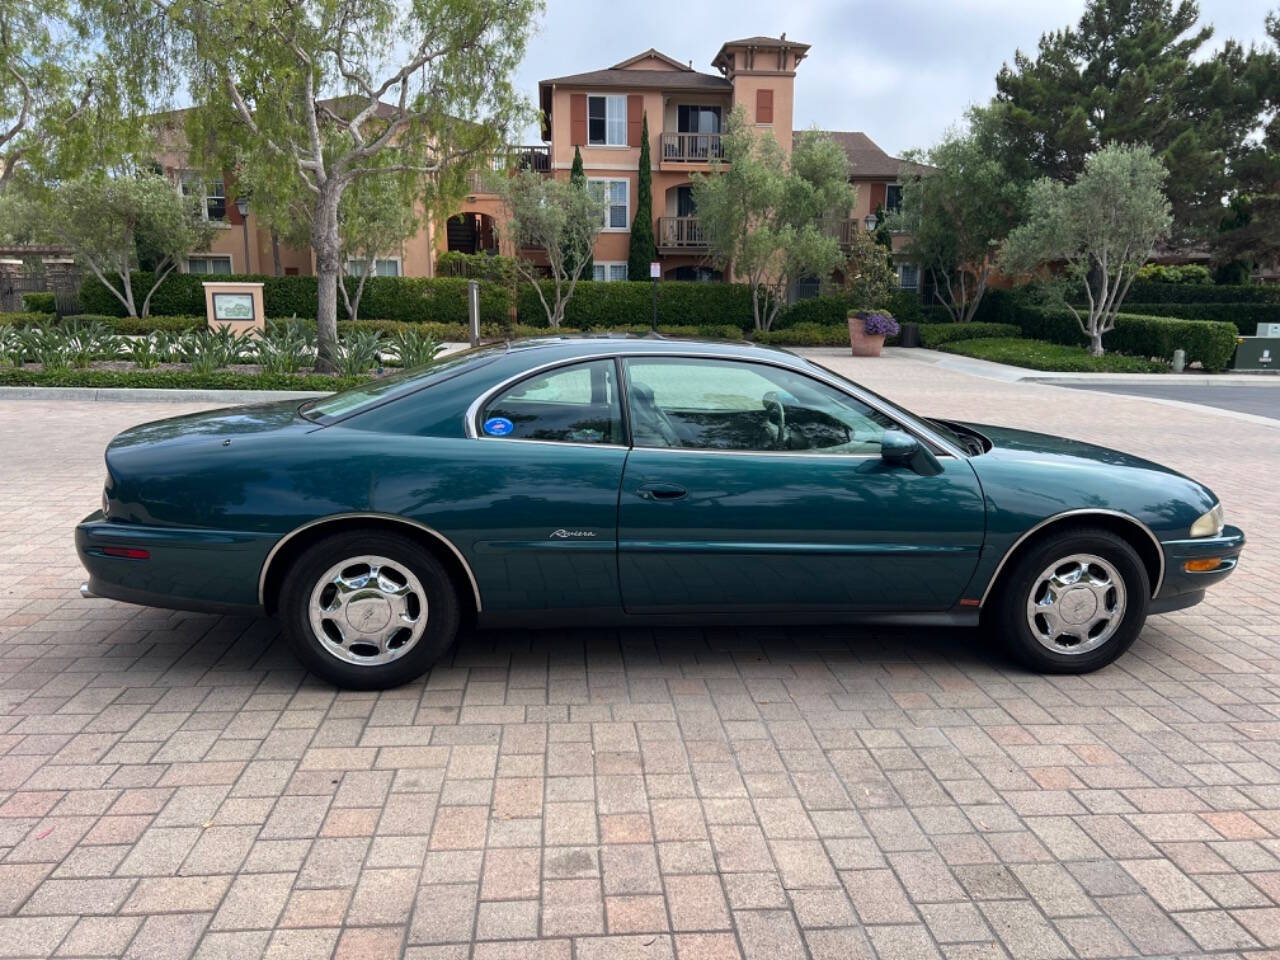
(578, 178)
(643, 249)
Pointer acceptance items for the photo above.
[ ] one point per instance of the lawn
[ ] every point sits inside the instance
(1056, 357)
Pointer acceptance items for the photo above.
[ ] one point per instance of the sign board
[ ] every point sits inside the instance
(232, 306)
(655, 270)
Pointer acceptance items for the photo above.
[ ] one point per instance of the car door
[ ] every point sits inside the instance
(751, 486)
(550, 456)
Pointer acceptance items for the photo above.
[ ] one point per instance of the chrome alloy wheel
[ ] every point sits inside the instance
(1076, 605)
(368, 610)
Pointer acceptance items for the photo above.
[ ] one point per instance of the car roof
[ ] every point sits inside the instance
(567, 347)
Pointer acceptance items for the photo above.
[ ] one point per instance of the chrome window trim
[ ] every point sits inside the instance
(941, 445)
(1082, 512)
(333, 517)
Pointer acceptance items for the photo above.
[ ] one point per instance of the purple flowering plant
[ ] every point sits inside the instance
(879, 322)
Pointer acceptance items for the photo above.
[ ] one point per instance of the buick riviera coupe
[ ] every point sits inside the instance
(639, 481)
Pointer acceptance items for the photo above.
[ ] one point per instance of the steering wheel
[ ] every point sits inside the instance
(773, 404)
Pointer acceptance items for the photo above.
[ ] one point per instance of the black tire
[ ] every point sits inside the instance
(1010, 615)
(441, 610)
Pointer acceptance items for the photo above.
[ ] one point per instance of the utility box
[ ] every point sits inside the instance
(1268, 330)
(1257, 353)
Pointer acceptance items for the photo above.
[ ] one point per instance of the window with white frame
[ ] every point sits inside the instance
(212, 195)
(608, 272)
(614, 194)
(607, 120)
(908, 276)
(208, 264)
(382, 267)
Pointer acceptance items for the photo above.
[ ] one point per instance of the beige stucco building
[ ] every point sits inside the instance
(601, 113)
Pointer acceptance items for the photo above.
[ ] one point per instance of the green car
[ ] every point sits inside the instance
(639, 481)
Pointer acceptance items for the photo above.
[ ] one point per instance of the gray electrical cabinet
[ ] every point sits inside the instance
(1257, 353)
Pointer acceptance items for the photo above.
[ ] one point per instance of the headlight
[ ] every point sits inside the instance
(1209, 525)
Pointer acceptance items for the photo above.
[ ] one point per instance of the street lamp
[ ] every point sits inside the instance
(242, 205)
(872, 221)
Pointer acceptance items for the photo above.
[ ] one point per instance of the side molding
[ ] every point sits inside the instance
(334, 517)
(1087, 511)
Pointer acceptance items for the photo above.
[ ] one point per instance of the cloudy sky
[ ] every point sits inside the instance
(901, 71)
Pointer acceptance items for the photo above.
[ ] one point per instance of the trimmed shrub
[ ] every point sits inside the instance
(141, 325)
(804, 335)
(174, 380)
(1245, 316)
(936, 334)
(1191, 273)
(1208, 343)
(829, 311)
(1039, 355)
(597, 305)
(1150, 292)
(44, 302)
(27, 319)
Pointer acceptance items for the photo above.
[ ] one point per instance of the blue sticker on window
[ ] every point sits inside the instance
(498, 426)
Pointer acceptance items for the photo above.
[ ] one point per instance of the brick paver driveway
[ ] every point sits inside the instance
(172, 786)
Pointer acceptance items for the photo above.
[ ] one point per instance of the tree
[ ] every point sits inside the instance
(578, 177)
(560, 220)
(1104, 227)
(643, 249)
(113, 223)
(1250, 232)
(869, 277)
(316, 92)
(1132, 71)
(375, 218)
(762, 211)
(957, 214)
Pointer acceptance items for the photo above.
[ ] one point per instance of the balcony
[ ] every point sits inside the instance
(691, 148)
(681, 233)
(842, 229)
(534, 157)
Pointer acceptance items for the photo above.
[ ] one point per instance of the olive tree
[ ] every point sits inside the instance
(375, 218)
(956, 213)
(1103, 228)
(762, 211)
(113, 224)
(330, 92)
(559, 220)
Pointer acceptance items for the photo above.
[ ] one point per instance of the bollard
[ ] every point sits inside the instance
(1179, 361)
(473, 310)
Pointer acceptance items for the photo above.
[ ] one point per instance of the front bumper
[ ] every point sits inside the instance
(1183, 588)
(213, 571)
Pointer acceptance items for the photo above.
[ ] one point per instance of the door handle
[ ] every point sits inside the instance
(659, 490)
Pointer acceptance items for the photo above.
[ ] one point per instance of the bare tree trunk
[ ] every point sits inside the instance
(324, 240)
(1095, 336)
(275, 252)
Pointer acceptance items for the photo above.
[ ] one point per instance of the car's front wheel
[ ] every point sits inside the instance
(1073, 602)
(368, 611)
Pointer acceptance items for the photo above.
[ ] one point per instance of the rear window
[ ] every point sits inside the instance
(343, 404)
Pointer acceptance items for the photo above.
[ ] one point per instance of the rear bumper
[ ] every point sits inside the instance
(212, 571)
(1183, 588)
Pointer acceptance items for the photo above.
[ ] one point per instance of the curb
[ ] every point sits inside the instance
(154, 395)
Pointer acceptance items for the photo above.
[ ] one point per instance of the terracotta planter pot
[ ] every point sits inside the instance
(862, 343)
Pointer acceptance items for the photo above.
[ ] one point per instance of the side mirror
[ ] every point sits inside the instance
(898, 448)
(901, 449)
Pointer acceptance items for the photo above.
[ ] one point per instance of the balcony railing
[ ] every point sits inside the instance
(682, 232)
(691, 147)
(842, 229)
(535, 157)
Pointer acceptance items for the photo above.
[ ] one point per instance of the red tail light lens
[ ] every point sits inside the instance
(128, 553)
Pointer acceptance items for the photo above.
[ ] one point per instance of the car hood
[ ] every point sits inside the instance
(225, 424)
(1008, 443)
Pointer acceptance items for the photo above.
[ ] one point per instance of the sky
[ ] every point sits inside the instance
(901, 71)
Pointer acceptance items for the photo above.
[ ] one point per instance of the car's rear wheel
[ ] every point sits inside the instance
(1073, 602)
(368, 611)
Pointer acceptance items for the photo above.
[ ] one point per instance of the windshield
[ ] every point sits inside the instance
(346, 402)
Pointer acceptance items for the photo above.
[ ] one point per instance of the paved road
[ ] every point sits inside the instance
(1260, 401)
(172, 785)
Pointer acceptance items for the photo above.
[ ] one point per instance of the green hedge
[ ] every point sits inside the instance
(1208, 343)
(1245, 316)
(44, 302)
(805, 335)
(1039, 355)
(1146, 291)
(27, 319)
(936, 334)
(173, 380)
(627, 303)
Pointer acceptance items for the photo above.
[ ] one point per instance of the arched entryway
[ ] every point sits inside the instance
(471, 232)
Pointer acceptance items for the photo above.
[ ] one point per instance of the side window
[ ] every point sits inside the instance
(737, 405)
(573, 404)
